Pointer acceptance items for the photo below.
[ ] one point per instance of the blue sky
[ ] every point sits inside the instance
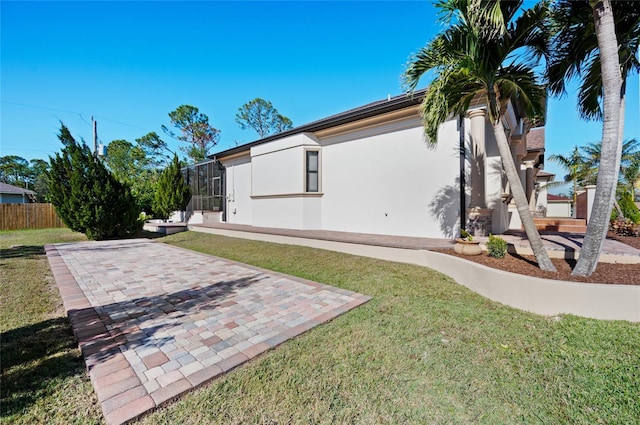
(129, 64)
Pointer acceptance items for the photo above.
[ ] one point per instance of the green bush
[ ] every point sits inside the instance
(172, 192)
(87, 196)
(465, 235)
(497, 247)
(628, 207)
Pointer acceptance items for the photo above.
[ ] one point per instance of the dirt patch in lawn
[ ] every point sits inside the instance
(625, 274)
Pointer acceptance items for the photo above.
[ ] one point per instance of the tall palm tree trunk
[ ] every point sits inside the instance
(611, 146)
(520, 199)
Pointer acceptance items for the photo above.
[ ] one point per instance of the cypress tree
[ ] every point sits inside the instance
(172, 192)
(86, 196)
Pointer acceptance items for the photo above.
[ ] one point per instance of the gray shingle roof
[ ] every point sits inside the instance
(14, 190)
(535, 139)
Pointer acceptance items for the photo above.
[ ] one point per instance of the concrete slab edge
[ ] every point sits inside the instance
(540, 296)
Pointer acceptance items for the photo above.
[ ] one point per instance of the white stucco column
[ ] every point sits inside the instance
(591, 195)
(479, 217)
(478, 123)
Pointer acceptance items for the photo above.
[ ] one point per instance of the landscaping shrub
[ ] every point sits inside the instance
(497, 247)
(172, 192)
(464, 235)
(628, 207)
(625, 227)
(86, 195)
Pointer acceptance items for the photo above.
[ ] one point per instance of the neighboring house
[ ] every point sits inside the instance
(370, 170)
(559, 206)
(15, 195)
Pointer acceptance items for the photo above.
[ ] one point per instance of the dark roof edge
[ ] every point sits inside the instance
(370, 110)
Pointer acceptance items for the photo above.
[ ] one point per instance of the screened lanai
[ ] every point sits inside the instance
(206, 180)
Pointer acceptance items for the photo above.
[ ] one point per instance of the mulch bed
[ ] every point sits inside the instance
(625, 274)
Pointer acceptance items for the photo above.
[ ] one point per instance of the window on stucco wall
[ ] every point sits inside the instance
(312, 171)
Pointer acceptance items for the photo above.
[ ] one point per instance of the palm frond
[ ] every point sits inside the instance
(519, 83)
(590, 94)
(531, 31)
(464, 62)
(573, 39)
(449, 94)
(575, 48)
(430, 57)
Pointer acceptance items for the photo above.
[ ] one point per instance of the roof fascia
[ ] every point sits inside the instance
(367, 111)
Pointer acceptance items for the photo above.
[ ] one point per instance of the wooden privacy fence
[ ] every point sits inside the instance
(28, 216)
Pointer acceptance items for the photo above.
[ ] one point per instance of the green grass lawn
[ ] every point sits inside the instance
(423, 350)
(43, 375)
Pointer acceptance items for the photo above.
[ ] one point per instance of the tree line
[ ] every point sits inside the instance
(139, 164)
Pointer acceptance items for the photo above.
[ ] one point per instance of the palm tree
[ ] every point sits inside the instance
(629, 157)
(598, 43)
(630, 165)
(468, 62)
(583, 166)
(576, 166)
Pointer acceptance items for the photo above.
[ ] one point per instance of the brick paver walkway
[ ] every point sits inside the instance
(154, 321)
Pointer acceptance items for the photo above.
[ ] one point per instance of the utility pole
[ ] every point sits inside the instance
(95, 136)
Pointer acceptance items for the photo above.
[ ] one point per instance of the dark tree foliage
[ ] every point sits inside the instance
(131, 165)
(87, 197)
(31, 175)
(260, 115)
(194, 129)
(172, 192)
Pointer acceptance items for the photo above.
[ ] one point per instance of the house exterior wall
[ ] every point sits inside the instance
(10, 198)
(295, 212)
(238, 190)
(377, 175)
(278, 184)
(559, 209)
(386, 180)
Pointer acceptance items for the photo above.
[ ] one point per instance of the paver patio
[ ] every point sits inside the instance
(153, 320)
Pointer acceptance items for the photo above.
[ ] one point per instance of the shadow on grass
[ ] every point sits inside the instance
(149, 235)
(24, 251)
(144, 234)
(32, 357)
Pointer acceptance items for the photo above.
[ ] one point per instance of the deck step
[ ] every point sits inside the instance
(561, 224)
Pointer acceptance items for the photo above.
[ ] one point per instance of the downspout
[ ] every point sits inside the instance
(463, 191)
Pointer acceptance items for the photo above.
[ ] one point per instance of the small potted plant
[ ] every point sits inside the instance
(466, 245)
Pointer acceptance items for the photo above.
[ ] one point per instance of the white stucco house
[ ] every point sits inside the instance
(370, 170)
(559, 206)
